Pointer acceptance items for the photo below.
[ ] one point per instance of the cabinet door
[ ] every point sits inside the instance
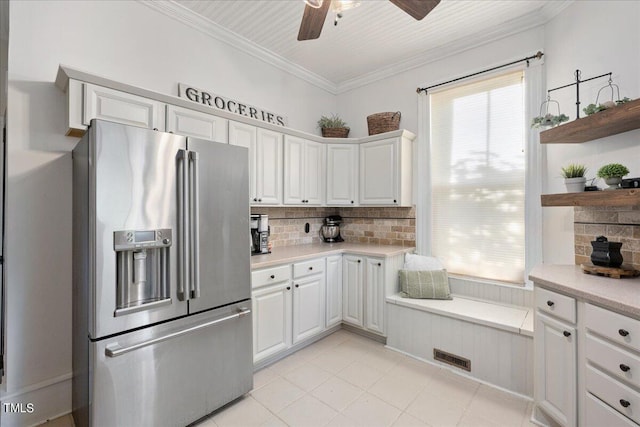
(352, 284)
(294, 170)
(244, 135)
(334, 290)
(374, 295)
(342, 174)
(197, 124)
(268, 167)
(379, 172)
(121, 107)
(555, 369)
(308, 307)
(314, 173)
(271, 320)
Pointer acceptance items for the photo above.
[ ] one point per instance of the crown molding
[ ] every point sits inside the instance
(199, 23)
(515, 26)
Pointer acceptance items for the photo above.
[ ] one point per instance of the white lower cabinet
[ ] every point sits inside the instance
(587, 363)
(288, 306)
(556, 375)
(334, 291)
(272, 319)
(353, 290)
(363, 292)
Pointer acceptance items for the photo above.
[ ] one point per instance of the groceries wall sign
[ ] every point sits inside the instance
(218, 102)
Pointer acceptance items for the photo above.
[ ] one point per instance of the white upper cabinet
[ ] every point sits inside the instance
(385, 172)
(122, 107)
(245, 135)
(342, 174)
(268, 167)
(303, 171)
(265, 161)
(184, 121)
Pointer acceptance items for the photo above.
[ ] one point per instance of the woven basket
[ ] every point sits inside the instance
(335, 132)
(383, 122)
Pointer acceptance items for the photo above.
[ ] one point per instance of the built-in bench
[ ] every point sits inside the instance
(494, 335)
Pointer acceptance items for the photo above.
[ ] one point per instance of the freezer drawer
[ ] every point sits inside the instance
(175, 373)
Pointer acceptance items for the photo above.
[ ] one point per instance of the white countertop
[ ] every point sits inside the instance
(288, 254)
(621, 295)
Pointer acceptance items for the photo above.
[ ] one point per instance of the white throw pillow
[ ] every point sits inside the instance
(421, 262)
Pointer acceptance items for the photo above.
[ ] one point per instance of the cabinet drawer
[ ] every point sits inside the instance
(560, 306)
(615, 360)
(302, 269)
(599, 414)
(613, 326)
(617, 395)
(270, 275)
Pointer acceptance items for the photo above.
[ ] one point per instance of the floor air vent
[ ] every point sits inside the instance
(452, 359)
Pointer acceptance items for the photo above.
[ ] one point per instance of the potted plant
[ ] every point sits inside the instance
(574, 178)
(333, 127)
(612, 174)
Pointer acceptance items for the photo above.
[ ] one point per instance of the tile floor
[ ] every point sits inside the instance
(348, 380)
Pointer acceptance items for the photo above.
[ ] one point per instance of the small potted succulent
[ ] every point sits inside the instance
(548, 120)
(574, 178)
(333, 127)
(612, 174)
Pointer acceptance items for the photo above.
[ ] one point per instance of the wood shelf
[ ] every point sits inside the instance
(621, 197)
(621, 118)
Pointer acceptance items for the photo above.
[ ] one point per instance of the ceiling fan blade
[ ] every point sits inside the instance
(418, 9)
(312, 21)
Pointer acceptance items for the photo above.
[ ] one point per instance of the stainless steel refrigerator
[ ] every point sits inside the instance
(161, 277)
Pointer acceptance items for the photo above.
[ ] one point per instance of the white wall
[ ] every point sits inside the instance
(124, 41)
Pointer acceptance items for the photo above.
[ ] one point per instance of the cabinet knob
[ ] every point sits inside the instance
(352, 202)
(255, 199)
(272, 276)
(288, 288)
(625, 403)
(379, 265)
(550, 303)
(395, 201)
(623, 333)
(297, 286)
(156, 129)
(310, 268)
(259, 200)
(624, 368)
(359, 261)
(566, 333)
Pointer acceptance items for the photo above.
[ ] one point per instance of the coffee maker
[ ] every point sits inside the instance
(259, 234)
(330, 230)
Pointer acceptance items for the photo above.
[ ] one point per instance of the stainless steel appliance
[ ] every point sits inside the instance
(161, 279)
(330, 229)
(259, 234)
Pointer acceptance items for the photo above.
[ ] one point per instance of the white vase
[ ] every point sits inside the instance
(575, 185)
(613, 182)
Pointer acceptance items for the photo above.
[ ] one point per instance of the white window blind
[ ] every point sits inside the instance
(478, 178)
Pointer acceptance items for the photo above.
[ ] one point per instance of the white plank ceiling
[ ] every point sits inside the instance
(372, 38)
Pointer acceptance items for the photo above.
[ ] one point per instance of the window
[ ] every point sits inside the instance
(477, 175)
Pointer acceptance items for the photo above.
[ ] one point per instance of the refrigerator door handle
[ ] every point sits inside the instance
(183, 225)
(194, 193)
(116, 350)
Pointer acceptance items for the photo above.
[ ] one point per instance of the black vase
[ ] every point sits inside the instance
(605, 253)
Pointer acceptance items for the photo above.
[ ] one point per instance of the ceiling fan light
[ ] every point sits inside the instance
(341, 5)
(316, 4)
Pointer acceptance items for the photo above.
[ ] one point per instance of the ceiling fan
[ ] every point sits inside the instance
(315, 12)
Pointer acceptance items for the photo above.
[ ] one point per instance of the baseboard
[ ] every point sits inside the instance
(38, 402)
(366, 334)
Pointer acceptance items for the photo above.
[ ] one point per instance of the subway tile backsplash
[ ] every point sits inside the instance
(617, 224)
(384, 226)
